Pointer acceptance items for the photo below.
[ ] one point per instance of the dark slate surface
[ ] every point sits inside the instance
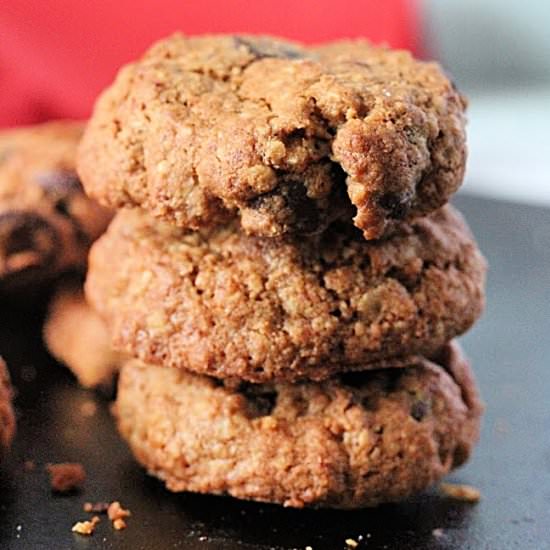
(510, 349)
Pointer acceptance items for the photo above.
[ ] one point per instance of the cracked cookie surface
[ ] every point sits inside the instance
(226, 304)
(358, 439)
(283, 137)
(47, 223)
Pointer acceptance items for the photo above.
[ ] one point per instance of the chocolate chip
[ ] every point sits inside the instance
(296, 135)
(419, 410)
(261, 48)
(390, 378)
(395, 203)
(353, 379)
(389, 201)
(305, 209)
(61, 207)
(217, 382)
(261, 399)
(25, 232)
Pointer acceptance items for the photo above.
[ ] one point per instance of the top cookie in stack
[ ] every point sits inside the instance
(254, 155)
(286, 138)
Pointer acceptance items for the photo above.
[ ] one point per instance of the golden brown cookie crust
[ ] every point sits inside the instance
(46, 221)
(286, 137)
(77, 337)
(355, 440)
(230, 305)
(7, 416)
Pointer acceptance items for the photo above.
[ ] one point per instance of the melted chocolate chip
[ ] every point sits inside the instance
(25, 232)
(396, 204)
(306, 212)
(419, 410)
(261, 399)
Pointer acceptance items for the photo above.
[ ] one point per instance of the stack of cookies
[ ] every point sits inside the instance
(283, 269)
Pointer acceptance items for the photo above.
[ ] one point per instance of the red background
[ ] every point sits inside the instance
(57, 55)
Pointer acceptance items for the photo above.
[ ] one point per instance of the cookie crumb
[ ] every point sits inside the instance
(352, 543)
(88, 409)
(96, 507)
(66, 476)
(85, 527)
(116, 511)
(119, 524)
(467, 493)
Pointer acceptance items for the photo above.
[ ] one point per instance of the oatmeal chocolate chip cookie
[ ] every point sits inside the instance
(7, 416)
(226, 304)
(46, 221)
(355, 440)
(286, 137)
(77, 337)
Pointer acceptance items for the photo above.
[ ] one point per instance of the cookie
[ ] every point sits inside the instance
(283, 137)
(226, 304)
(355, 440)
(46, 221)
(76, 336)
(7, 416)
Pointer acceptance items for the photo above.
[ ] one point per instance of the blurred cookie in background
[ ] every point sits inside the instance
(47, 223)
(76, 336)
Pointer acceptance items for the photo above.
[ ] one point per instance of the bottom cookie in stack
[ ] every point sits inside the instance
(7, 416)
(357, 439)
